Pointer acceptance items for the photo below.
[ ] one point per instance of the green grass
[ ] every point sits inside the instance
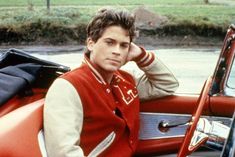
(191, 10)
(98, 2)
(17, 15)
(217, 14)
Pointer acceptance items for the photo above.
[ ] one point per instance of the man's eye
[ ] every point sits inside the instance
(109, 42)
(125, 46)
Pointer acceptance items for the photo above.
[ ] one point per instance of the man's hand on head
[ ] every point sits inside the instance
(134, 52)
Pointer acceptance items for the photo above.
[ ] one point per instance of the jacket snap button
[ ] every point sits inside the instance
(108, 90)
(131, 142)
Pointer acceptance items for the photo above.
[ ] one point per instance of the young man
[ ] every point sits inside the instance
(94, 109)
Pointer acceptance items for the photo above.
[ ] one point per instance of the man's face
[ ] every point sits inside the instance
(110, 51)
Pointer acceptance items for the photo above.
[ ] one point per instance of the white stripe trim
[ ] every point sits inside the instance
(103, 145)
(41, 143)
(96, 73)
(147, 61)
(145, 56)
(97, 78)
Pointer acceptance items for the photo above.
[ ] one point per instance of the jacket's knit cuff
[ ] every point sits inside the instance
(144, 59)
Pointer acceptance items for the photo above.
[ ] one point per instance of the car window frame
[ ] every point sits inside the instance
(228, 89)
(224, 66)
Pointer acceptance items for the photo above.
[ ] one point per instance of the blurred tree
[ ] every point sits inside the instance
(30, 5)
(206, 1)
(48, 5)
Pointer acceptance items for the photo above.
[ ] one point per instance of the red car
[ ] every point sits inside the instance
(177, 125)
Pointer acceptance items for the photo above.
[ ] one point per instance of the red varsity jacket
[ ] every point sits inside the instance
(111, 112)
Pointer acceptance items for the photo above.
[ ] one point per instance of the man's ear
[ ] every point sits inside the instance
(90, 44)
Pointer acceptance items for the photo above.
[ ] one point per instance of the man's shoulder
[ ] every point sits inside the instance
(77, 73)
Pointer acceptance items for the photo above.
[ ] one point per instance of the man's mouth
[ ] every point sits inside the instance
(114, 60)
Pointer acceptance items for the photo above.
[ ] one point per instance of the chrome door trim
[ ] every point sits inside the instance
(149, 125)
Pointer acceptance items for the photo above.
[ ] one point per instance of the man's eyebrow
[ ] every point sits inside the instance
(115, 40)
(109, 38)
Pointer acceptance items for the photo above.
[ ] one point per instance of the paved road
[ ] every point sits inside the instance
(191, 66)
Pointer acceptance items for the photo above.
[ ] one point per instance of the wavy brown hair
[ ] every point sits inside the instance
(110, 17)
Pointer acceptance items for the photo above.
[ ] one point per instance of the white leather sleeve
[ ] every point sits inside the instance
(63, 120)
(154, 80)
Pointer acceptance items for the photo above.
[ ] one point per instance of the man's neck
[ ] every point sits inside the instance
(106, 76)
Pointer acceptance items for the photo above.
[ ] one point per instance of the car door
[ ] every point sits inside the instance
(176, 110)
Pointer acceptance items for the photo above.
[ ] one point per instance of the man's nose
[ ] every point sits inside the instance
(116, 50)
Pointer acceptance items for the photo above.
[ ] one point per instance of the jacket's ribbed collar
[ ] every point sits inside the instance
(93, 70)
